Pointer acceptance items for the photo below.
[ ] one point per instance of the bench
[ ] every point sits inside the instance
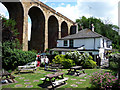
(55, 66)
(43, 79)
(6, 77)
(78, 72)
(59, 82)
(29, 66)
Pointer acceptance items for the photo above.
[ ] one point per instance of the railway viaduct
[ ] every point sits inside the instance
(47, 24)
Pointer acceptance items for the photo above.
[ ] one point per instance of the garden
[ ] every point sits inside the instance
(32, 80)
(94, 77)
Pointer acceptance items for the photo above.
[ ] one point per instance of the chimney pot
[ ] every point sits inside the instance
(93, 27)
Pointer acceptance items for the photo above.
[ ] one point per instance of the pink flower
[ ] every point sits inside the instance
(110, 86)
(109, 80)
(115, 78)
(95, 80)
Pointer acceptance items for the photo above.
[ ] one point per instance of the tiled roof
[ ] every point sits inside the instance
(85, 33)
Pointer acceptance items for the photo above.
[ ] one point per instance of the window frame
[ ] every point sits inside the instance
(65, 42)
(71, 43)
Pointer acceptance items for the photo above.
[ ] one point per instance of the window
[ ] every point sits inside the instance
(65, 42)
(103, 42)
(71, 43)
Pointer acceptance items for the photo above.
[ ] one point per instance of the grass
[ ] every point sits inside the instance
(40, 73)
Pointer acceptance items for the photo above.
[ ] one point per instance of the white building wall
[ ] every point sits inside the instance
(101, 42)
(88, 43)
(105, 43)
(97, 43)
(60, 43)
(101, 53)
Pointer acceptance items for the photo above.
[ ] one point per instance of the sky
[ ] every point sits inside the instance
(107, 10)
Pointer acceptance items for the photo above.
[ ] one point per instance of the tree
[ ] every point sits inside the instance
(107, 30)
(116, 59)
(9, 32)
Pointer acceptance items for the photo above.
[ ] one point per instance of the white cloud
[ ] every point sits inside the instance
(4, 11)
(104, 9)
(62, 4)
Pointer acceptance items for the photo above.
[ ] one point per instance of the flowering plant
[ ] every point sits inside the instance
(103, 80)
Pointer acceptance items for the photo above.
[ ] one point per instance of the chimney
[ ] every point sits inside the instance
(80, 27)
(76, 27)
(93, 27)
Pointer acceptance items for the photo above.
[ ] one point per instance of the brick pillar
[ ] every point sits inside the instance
(46, 34)
(25, 32)
(69, 30)
(59, 33)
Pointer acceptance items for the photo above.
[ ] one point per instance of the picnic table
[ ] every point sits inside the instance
(28, 66)
(75, 68)
(4, 73)
(54, 67)
(54, 76)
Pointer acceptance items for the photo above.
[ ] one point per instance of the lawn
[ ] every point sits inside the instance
(32, 80)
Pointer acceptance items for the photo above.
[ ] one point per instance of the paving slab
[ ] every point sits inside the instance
(74, 85)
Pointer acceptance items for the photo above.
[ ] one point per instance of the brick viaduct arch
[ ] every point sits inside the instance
(47, 24)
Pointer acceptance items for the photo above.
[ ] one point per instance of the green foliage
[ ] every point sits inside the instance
(9, 32)
(12, 57)
(55, 53)
(67, 63)
(33, 50)
(74, 56)
(114, 61)
(87, 61)
(113, 65)
(89, 64)
(107, 30)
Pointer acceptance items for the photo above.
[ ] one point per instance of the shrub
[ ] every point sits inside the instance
(74, 56)
(87, 61)
(103, 80)
(115, 63)
(12, 58)
(67, 63)
(89, 64)
(113, 66)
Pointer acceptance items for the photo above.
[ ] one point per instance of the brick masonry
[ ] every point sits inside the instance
(42, 29)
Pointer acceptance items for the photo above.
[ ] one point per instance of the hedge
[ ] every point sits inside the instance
(12, 58)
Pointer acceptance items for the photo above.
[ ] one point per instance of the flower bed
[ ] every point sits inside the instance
(103, 80)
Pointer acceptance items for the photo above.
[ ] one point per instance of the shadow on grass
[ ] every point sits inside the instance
(71, 73)
(48, 85)
(24, 72)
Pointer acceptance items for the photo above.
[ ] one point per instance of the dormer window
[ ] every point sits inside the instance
(65, 43)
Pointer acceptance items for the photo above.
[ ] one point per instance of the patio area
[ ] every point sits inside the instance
(33, 80)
